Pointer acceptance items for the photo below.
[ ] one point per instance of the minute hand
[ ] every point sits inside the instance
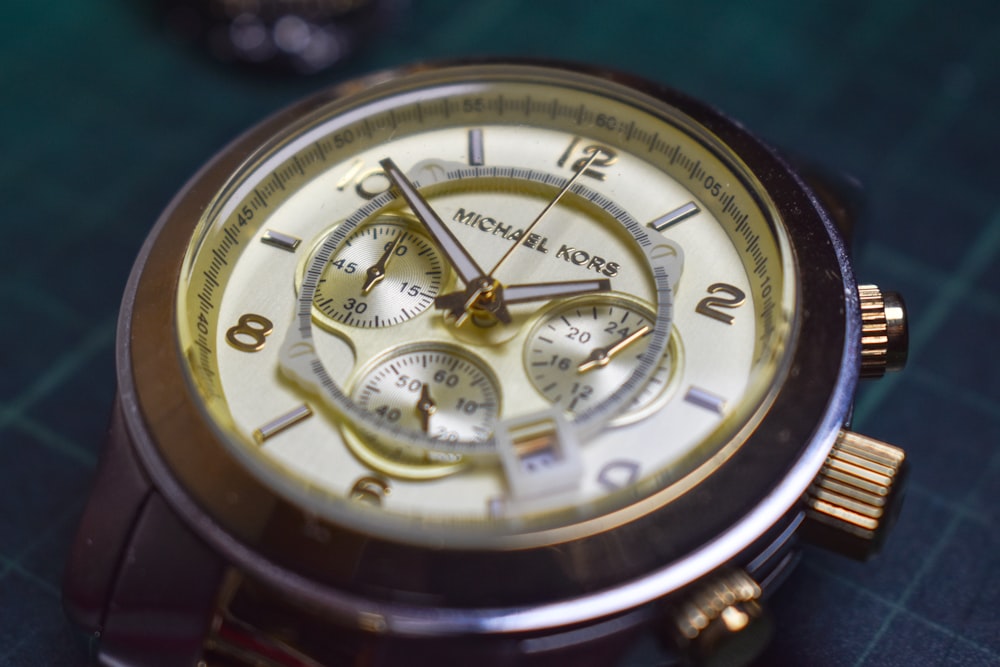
(458, 257)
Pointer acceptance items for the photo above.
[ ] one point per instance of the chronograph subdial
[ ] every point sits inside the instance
(584, 350)
(384, 274)
(433, 388)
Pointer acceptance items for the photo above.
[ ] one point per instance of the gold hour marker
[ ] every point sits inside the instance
(279, 240)
(352, 171)
(370, 490)
(281, 423)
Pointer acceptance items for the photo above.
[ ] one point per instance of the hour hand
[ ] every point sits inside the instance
(425, 408)
(454, 251)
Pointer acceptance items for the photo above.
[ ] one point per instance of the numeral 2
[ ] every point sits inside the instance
(731, 297)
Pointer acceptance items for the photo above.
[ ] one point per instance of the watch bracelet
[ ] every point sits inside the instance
(259, 627)
(153, 594)
(255, 626)
(151, 587)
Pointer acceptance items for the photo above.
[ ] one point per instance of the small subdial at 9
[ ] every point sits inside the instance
(583, 352)
(383, 274)
(447, 394)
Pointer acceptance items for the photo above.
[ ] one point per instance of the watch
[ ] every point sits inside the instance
(488, 363)
(281, 36)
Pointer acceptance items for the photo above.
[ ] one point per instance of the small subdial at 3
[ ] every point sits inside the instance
(435, 389)
(382, 275)
(584, 351)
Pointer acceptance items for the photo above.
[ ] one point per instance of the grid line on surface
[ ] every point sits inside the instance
(54, 441)
(945, 388)
(27, 295)
(983, 251)
(930, 278)
(867, 34)
(959, 508)
(26, 638)
(47, 530)
(930, 560)
(942, 111)
(99, 338)
(896, 608)
(9, 566)
(878, 56)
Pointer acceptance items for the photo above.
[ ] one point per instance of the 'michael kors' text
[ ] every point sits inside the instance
(566, 253)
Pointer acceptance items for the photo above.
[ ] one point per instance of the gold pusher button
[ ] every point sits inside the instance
(884, 334)
(721, 621)
(856, 496)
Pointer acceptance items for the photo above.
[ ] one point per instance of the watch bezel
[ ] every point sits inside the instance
(571, 580)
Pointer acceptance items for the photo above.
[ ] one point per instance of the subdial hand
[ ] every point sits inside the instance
(376, 272)
(601, 356)
(425, 408)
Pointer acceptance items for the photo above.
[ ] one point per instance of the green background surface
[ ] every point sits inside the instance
(104, 115)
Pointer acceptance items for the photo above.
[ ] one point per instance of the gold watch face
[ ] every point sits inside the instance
(477, 305)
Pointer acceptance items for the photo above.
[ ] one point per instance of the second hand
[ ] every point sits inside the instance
(489, 283)
(547, 208)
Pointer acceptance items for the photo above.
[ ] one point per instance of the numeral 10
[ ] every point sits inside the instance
(368, 183)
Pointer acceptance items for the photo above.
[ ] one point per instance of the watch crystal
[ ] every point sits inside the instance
(523, 299)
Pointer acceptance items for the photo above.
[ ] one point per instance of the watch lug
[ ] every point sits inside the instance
(856, 496)
(721, 621)
(116, 500)
(840, 194)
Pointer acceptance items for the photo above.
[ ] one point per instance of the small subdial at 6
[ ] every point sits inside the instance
(584, 351)
(383, 274)
(447, 394)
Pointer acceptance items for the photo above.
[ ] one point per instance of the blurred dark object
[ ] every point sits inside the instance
(283, 36)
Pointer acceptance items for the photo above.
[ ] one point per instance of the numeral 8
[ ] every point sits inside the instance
(250, 326)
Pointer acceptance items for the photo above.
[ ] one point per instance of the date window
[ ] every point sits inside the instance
(540, 455)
